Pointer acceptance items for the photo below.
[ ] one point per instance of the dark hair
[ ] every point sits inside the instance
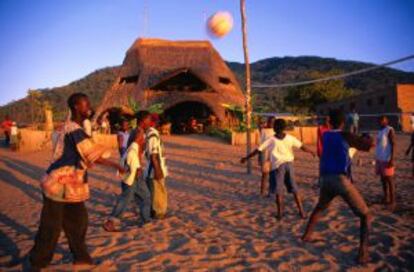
(141, 115)
(279, 125)
(74, 99)
(382, 117)
(336, 118)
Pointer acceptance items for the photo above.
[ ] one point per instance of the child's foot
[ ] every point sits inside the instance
(109, 226)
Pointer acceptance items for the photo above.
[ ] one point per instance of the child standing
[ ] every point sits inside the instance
(133, 185)
(280, 147)
(335, 181)
(384, 156)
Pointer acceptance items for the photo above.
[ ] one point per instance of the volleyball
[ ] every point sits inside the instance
(220, 24)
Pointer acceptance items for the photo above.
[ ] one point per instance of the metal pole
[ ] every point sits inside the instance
(248, 84)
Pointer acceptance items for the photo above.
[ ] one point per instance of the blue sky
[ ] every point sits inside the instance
(51, 43)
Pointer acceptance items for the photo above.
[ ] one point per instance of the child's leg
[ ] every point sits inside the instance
(272, 182)
(385, 189)
(122, 201)
(356, 202)
(279, 180)
(391, 192)
(265, 177)
(143, 201)
(325, 198)
(293, 188)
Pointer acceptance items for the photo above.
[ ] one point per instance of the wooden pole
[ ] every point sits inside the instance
(248, 85)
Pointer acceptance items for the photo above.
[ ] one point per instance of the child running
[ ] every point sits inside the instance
(384, 156)
(133, 185)
(280, 147)
(334, 171)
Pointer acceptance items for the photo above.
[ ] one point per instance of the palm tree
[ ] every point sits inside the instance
(248, 87)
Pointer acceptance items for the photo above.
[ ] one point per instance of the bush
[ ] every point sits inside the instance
(224, 134)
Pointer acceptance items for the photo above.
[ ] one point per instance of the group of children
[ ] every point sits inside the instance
(65, 184)
(335, 149)
(145, 186)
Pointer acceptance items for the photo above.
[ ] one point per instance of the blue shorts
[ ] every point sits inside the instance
(284, 175)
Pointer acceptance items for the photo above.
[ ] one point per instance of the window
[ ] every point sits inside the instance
(129, 79)
(369, 102)
(224, 80)
(381, 100)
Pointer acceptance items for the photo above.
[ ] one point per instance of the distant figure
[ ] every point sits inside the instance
(354, 121)
(14, 136)
(324, 127)
(264, 158)
(280, 147)
(105, 129)
(133, 184)
(6, 126)
(384, 156)
(411, 149)
(334, 165)
(87, 125)
(65, 189)
(122, 137)
(156, 170)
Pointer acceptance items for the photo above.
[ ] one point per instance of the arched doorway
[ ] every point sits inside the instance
(180, 115)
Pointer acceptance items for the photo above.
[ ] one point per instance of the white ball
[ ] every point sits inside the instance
(220, 23)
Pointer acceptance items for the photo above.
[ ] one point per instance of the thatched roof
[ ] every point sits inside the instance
(150, 62)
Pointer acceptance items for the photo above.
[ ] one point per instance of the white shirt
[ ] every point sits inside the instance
(383, 147)
(87, 127)
(281, 150)
(154, 146)
(131, 159)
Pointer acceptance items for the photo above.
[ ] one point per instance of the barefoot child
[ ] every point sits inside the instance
(280, 147)
(384, 156)
(334, 171)
(133, 185)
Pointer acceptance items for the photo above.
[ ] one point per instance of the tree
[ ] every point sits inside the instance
(305, 98)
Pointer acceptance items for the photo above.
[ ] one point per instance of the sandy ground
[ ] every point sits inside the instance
(217, 220)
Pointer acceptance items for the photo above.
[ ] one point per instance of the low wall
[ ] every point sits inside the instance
(34, 140)
(306, 135)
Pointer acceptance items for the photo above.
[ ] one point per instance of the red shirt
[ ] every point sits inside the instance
(321, 130)
(6, 125)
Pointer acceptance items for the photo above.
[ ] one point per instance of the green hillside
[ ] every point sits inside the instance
(267, 71)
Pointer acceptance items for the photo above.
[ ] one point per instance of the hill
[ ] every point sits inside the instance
(267, 71)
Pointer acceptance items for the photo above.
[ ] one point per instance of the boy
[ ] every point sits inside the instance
(411, 149)
(280, 147)
(133, 186)
(156, 170)
(65, 189)
(334, 170)
(384, 156)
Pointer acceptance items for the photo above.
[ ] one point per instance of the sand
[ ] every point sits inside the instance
(217, 220)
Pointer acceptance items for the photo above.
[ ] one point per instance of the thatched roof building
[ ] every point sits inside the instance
(183, 75)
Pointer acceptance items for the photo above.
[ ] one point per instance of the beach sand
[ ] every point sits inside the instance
(216, 220)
